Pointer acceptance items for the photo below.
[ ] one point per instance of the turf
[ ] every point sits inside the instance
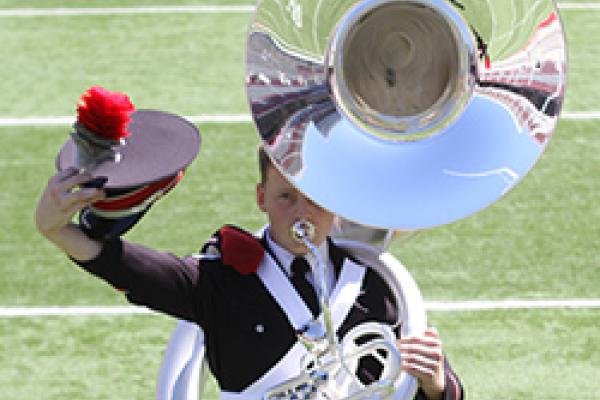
(528, 354)
(81, 358)
(539, 242)
(217, 189)
(192, 64)
(185, 63)
(114, 3)
(535, 243)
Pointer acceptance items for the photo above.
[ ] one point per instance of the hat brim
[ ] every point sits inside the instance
(160, 145)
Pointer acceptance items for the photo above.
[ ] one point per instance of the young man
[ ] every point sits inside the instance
(250, 330)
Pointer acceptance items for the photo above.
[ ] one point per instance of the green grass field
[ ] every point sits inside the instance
(540, 242)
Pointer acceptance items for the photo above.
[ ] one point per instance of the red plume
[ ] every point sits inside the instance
(105, 113)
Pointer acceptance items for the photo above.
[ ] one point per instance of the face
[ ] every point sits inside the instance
(284, 206)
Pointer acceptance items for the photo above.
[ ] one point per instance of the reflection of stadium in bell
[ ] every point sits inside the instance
(531, 82)
(287, 147)
(302, 98)
(335, 109)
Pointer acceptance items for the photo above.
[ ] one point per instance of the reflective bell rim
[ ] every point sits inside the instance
(405, 114)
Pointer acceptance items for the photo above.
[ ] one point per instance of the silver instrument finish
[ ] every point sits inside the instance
(315, 337)
(398, 115)
(335, 378)
(329, 370)
(438, 107)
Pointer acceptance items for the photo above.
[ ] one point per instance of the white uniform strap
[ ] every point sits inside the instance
(284, 293)
(346, 291)
(279, 286)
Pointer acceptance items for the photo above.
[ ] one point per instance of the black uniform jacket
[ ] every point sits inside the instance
(246, 332)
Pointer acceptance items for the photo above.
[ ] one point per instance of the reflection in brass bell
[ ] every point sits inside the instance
(405, 114)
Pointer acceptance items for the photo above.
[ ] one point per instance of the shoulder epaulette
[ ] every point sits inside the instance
(237, 248)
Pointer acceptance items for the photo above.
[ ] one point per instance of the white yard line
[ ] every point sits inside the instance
(199, 9)
(68, 11)
(220, 119)
(66, 120)
(480, 305)
(470, 305)
(580, 115)
(71, 311)
(223, 118)
(579, 6)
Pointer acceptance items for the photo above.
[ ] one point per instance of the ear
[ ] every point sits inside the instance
(260, 196)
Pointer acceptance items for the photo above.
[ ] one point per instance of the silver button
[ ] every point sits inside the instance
(260, 328)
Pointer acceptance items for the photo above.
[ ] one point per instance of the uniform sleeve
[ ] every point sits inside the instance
(453, 390)
(159, 280)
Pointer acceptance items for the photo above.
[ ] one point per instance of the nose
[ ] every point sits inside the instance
(306, 207)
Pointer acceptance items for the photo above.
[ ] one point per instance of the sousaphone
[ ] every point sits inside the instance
(397, 116)
(401, 115)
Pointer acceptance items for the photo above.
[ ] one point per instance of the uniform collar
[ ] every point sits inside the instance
(286, 258)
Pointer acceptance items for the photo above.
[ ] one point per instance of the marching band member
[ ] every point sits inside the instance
(247, 332)
(248, 294)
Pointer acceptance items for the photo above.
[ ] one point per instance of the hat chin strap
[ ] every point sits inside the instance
(90, 150)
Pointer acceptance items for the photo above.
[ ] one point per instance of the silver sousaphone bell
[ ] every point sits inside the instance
(418, 112)
(399, 115)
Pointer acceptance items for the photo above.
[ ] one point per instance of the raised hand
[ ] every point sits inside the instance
(64, 196)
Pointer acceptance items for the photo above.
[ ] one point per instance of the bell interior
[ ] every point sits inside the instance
(401, 59)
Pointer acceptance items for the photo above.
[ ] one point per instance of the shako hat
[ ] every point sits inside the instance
(136, 155)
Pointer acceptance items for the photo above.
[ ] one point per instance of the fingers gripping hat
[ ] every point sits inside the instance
(136, 155)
